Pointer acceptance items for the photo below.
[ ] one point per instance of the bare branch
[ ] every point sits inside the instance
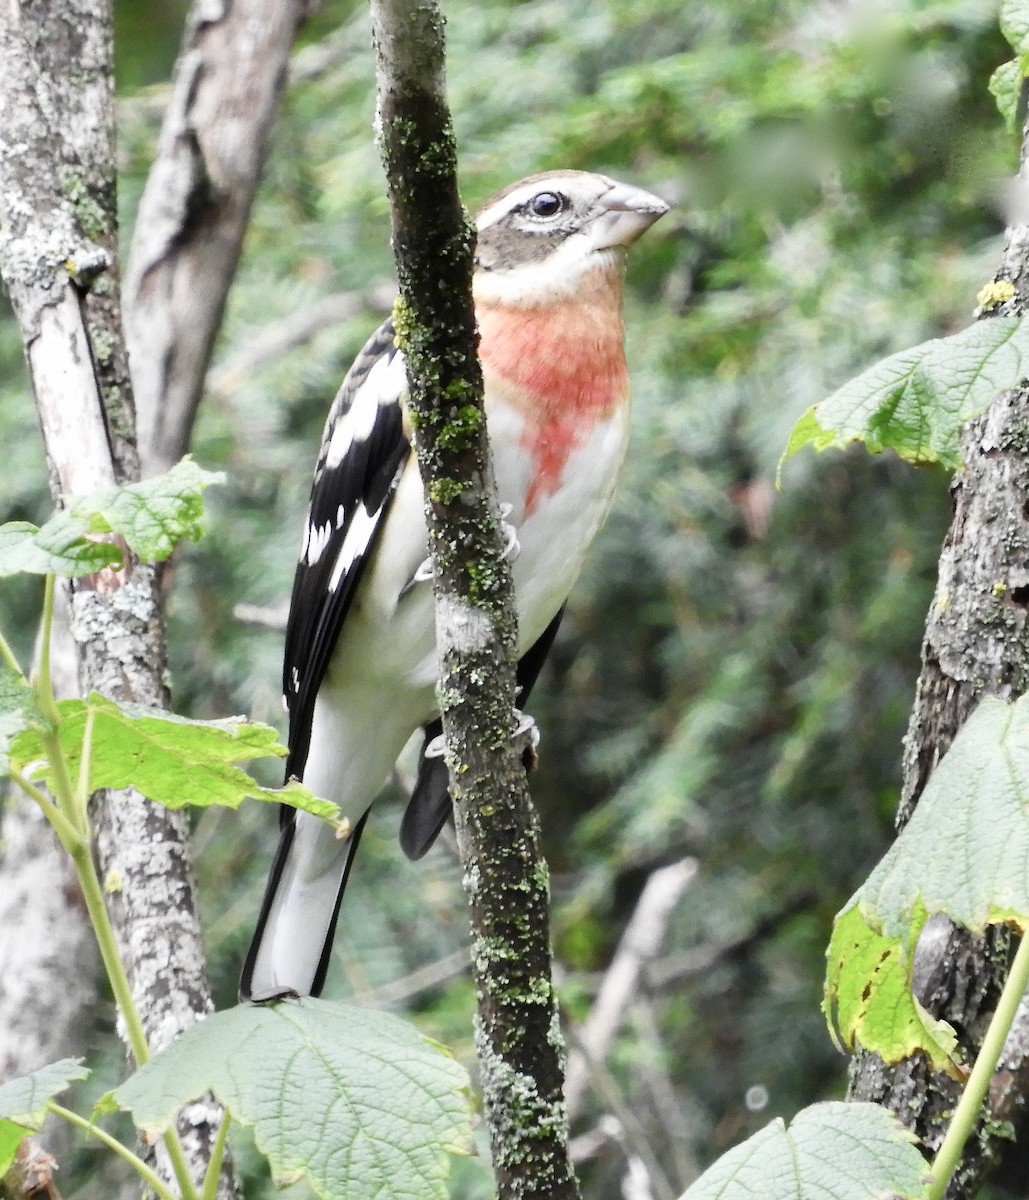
(637, 948)
(330, 52)
(194, 210)
(423, 979)
(275, 340)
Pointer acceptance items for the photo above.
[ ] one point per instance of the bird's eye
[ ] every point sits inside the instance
(546, 204)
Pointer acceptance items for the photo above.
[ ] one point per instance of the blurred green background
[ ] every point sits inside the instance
(734, 674)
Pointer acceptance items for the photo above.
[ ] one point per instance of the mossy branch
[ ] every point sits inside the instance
(505, 876)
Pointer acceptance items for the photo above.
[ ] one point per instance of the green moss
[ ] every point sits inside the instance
(483, 581)
(461, 429)
(103, 345)
(89, 212)
(445, 491)
(403, 323)
(997, 291)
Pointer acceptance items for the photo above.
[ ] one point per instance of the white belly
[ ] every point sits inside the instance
(392, 643)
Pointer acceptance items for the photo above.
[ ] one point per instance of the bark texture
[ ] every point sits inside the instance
(976, 644)
(518, 1034)
(58, 256)
(193, 213)
(190, 227)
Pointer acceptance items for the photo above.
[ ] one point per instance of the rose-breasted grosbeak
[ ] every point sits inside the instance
(360, 662)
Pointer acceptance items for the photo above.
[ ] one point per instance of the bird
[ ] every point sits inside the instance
(360, 667)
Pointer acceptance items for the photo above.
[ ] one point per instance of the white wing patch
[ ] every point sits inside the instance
(355, 544)
(379, 387)
(315, 541)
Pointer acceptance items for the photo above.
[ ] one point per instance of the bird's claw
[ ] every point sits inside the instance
(434, 748)
(424, 572)
(526, 730)
(509, 532)
(512, 548)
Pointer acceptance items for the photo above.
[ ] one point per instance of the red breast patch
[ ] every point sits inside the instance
(564, 367)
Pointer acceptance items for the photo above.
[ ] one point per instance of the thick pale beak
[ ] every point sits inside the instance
(626, 213)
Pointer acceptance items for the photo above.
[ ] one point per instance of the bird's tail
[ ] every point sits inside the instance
(289, 953)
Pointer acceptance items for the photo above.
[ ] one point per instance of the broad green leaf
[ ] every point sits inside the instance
(153, 516)
(846, 1151)
(1005, 86)
(18, 710)
(23, 1103)
(962, 854)
(915, 402)
(1014, 24)
(868, 997)
(62, 547)
(170, 759)
(356, 1102)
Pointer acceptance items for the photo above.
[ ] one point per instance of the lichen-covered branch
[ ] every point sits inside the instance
(518, 1035)
(976, 644)
(58, 257)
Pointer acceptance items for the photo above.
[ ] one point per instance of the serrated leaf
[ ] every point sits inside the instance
(915, 402)
(23, 1103)
(172, 760)
(962, 854)
(868, 997)
(153, 516)
(61, 547)
(1005, 86)
(846, 1151)
(356, 1102)
(1014, 24)
(18, 710)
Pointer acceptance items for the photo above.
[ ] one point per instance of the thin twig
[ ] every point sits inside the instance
(638, 946)
(422, 979)
(632, 1136)
(271, 342)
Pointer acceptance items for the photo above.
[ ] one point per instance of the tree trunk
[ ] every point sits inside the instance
(58, 254)
(976, 644)
(190, 226)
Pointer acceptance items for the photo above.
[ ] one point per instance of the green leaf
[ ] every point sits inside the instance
(846, 1151)
(356, 1102)
(18, 710)
(962, 854)
(915, 402)
(868, 997)
(153, 516)
(23, 1103)
(1014, 24)
(1005, 86)
(61, 547)
(168, 758)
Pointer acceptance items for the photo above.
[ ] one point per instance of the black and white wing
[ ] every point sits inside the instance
(364, 450)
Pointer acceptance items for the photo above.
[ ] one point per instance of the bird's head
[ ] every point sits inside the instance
(540, 236)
